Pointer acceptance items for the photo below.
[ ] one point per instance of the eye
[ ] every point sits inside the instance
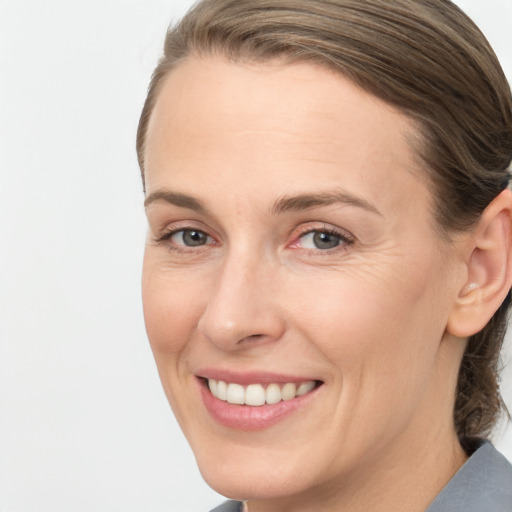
(188, 238)
(320, 240)
(323, 240)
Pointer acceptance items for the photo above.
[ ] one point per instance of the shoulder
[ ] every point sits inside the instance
(484, 483)
(229, 506)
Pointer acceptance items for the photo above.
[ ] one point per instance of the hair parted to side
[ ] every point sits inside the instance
(429, 60)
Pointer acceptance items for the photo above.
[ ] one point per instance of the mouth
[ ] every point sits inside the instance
(256, 395)
(253, 401)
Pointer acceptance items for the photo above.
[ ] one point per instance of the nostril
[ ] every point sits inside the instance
(253, 337)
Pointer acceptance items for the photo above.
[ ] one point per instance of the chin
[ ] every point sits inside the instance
(242, 481)
(258, 472)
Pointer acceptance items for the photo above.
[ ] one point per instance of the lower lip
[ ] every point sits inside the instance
(246, 417)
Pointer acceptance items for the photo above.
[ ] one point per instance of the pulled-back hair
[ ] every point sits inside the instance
(428, 59)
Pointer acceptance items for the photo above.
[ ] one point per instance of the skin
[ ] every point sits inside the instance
(368, 318)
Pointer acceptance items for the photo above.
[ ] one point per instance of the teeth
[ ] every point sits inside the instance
(273, 394)
(222, 390)
(288, 391)
(212, 384)
(235, 394)
(256, 394)
(305, 387)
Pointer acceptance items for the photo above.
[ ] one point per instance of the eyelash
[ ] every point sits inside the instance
(344, 238)
(165, 238)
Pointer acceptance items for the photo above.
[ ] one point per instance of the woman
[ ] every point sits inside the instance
(328, 263)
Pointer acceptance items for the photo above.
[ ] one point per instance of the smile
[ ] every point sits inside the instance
(256, 395)
(254, 401)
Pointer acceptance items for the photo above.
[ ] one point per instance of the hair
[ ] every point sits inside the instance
(427, 59)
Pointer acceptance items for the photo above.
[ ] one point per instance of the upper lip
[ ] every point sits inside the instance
(250, 377)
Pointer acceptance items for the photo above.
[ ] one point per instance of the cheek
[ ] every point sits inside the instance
(380, 349)
(355, 309)
(172, 306)
(379, 331)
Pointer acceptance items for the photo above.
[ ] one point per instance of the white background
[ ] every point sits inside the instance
(84, 425)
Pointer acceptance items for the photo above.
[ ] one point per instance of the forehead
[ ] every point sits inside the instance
(273, 122)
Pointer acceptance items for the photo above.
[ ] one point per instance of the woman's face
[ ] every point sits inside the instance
(292, 256)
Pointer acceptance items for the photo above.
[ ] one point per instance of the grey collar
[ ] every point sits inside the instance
(483, 484)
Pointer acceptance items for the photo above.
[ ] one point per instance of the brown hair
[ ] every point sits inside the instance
(426, 58)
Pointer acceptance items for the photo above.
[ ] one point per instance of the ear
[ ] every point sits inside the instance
(489, 269)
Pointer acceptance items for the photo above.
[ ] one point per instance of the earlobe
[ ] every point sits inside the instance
(489, 269)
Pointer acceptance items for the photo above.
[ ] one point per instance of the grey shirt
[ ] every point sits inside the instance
(483, 484)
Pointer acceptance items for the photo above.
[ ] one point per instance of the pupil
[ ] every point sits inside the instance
(325, 241)
(193, 238)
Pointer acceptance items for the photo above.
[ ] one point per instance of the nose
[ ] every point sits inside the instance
(241, 311)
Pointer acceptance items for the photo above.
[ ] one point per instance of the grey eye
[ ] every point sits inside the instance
(190, 238)
(325, 240)
(320, 240)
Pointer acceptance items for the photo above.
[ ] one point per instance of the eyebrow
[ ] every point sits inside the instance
(283, 204)
(177, 199)
(307, 201)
